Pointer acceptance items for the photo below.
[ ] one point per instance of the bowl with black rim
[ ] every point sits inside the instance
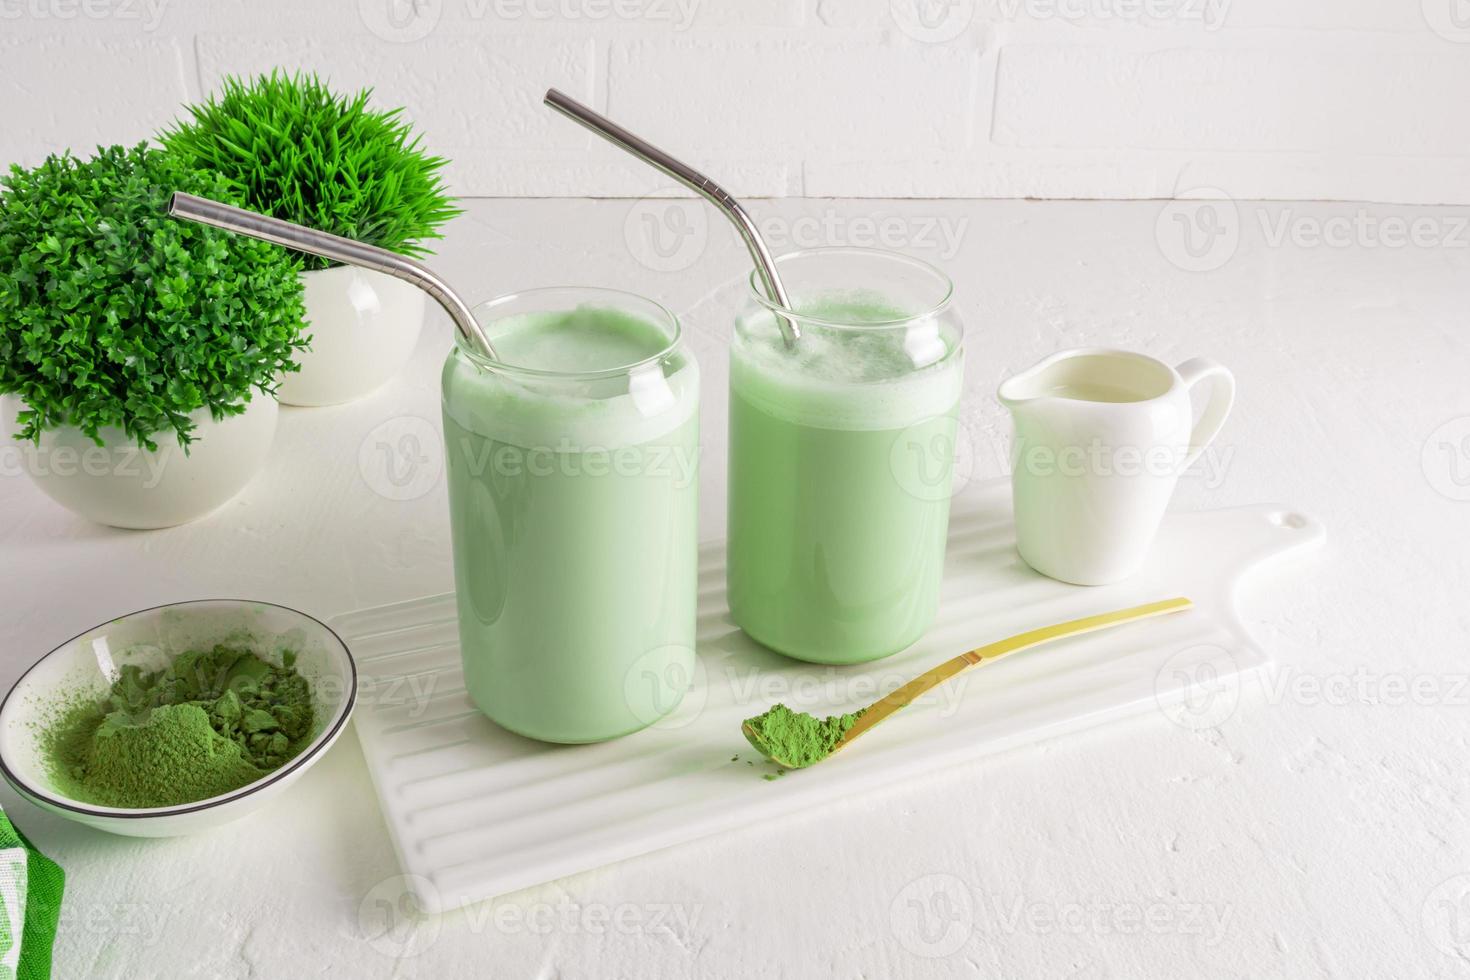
(87, 665)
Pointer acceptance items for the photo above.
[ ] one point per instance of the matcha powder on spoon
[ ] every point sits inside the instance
(794, 738)
(210, 723)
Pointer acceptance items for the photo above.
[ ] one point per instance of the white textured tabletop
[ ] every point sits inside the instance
(1319, 830)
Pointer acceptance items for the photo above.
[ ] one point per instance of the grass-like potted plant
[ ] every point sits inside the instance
(298, 151)
(138, 354)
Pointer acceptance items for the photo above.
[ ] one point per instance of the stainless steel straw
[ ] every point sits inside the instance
(292, 235)
(695, 181)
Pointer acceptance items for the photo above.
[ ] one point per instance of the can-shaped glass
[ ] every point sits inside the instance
(841, 454)
(572, 462)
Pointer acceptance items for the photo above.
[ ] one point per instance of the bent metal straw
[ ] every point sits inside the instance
(334, 247)
(694, 180)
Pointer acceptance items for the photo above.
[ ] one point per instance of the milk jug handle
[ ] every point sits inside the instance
(1222, 396)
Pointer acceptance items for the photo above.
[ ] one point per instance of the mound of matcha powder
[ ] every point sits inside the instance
(211, 722)
(795, 738)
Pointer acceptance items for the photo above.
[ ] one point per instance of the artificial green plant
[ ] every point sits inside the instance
(115, 316)
(298, 151)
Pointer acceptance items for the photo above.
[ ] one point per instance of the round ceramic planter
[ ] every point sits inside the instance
(122, 485)
(364, 326)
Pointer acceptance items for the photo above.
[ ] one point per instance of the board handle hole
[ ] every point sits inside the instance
(1290, 522)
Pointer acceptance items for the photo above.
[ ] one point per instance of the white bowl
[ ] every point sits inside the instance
(152, 638)
(120, 485)
(364, 326)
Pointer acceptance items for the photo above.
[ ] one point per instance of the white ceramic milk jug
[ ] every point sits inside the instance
(1101, 437)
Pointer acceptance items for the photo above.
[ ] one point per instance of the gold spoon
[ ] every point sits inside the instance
(910, 692)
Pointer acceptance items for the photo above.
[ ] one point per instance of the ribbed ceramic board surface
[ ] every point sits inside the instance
(476, 811)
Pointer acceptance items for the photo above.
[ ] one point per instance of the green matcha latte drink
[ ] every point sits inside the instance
(841, 455)
(572, 491)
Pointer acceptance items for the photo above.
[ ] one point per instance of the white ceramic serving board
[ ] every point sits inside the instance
(476, 811)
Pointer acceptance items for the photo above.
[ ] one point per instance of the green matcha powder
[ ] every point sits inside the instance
(795, 738)
(210, 723)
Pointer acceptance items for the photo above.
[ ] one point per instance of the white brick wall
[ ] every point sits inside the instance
(1356, 99)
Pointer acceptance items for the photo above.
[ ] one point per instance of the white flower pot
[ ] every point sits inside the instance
(364, 326)
(122, 485)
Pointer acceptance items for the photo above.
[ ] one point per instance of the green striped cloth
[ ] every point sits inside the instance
(30, 903)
